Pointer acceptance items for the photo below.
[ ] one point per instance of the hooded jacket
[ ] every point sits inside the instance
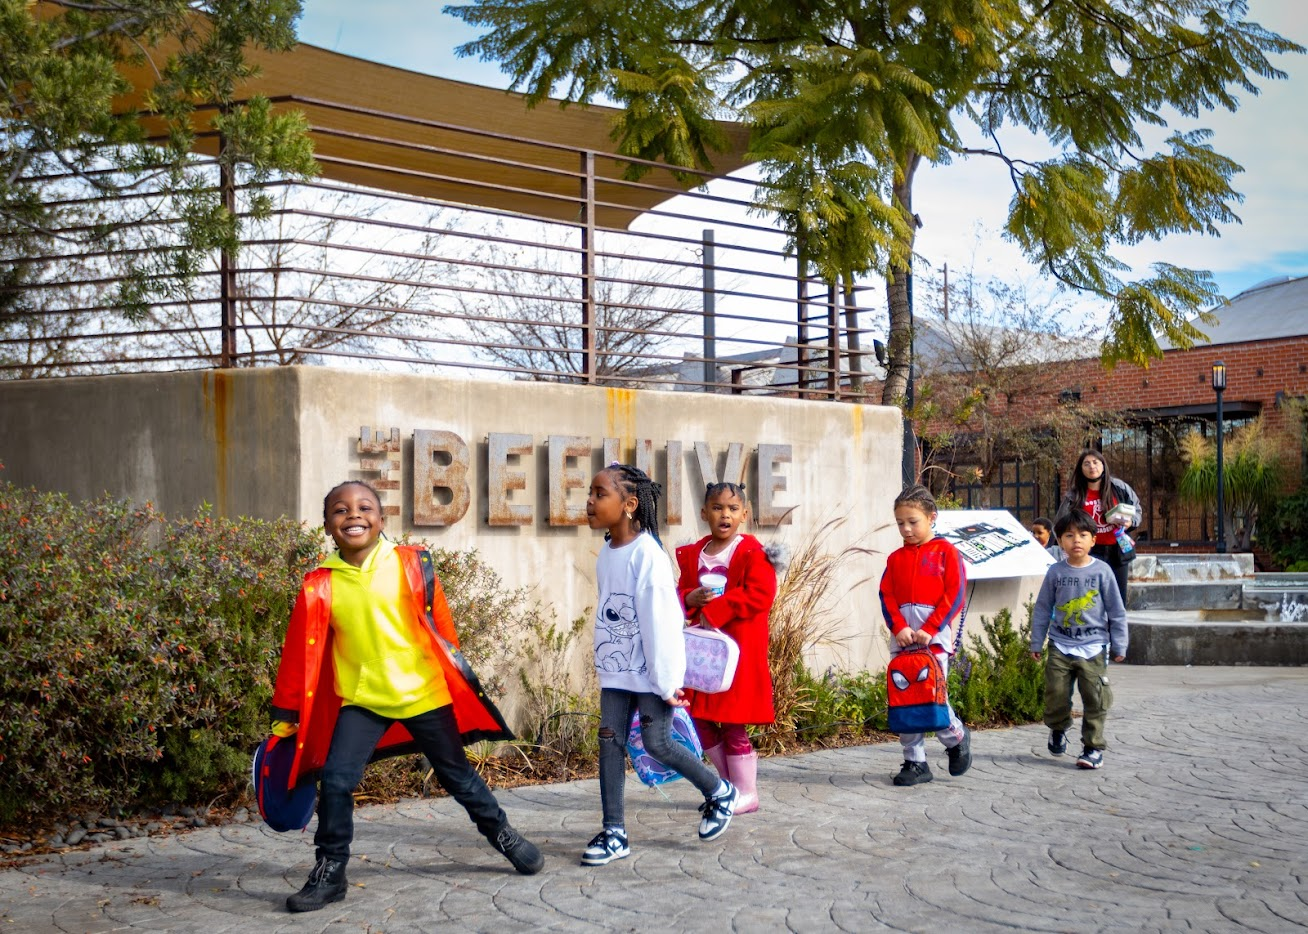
(742, 613)
(305, 689)
(922, 588)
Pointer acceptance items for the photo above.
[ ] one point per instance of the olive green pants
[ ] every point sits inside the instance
(1090, 677)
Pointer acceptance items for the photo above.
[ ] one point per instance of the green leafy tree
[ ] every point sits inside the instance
(844, 102)
(65, 70)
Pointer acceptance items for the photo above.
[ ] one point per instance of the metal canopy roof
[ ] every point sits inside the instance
(401, 131)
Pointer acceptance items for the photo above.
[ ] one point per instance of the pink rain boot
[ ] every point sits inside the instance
(744, 775)
(717, 755)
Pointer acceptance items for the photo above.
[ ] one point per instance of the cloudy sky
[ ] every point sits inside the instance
(962, 205)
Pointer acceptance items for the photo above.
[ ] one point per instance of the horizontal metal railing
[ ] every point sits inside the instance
(591, 278)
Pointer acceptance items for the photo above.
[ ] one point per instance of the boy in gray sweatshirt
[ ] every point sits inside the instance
(1080, 609)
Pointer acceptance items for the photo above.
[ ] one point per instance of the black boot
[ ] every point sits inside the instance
(521, 852)
(326, 885)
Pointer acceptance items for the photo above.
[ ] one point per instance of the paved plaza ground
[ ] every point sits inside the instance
(1197, 822)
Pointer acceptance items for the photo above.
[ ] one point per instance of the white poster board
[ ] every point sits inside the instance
(993, 543)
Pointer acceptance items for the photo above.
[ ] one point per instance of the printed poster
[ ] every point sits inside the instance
(993, 543)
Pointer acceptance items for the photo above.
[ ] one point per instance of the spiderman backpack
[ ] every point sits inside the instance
(917, 695)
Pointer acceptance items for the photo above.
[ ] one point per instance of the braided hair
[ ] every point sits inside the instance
(713, 489)
(919, 497)
(326, 500)
(633, 481)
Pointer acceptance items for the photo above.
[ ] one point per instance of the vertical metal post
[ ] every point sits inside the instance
(226, 264)
(710, 302)
(801, 310)
(1219, 385)
(853, 339)
(833, 342)
(910, 441)
(588, 267)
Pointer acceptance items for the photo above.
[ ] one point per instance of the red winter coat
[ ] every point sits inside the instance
(305, 690)
(742, 613)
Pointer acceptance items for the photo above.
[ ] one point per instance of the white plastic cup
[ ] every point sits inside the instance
(717, 583)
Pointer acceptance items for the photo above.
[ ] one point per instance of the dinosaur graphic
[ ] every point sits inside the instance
(1073, 608)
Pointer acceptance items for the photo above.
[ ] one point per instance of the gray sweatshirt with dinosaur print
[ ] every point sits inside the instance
(1079, 609)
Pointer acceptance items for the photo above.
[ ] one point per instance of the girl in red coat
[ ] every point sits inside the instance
(727, 582)
(371, 667)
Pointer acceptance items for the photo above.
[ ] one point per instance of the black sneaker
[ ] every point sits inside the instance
(717, 814)
(960, 756)
(1090, 759)
(326, 885)
(913, 773)
(607, 846)
(1057, 742)
(521, 852)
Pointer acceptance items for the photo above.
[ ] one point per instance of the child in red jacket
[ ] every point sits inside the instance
(922, 601)
(727, 582)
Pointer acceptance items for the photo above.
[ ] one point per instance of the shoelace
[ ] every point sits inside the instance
(605, 840)
(506, 839)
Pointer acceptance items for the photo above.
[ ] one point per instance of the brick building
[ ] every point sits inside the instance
(1261, 336)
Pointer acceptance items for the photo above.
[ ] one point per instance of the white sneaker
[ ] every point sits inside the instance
(607, 846)
(717, 813)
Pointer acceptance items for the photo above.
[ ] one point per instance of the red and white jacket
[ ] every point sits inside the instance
(922, 588)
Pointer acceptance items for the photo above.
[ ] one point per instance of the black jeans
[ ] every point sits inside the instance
(357, 733)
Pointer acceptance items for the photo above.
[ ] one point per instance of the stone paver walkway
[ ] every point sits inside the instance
(1198, 822)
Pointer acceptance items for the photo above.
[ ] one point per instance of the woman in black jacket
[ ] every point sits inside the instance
(1097, 491)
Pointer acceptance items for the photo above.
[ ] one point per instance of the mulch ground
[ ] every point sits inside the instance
(509, 768)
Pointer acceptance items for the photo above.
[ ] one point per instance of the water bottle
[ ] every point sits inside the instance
(1124, 541)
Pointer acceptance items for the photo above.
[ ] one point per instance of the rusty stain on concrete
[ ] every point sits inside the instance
(620, 411)
(217, 389)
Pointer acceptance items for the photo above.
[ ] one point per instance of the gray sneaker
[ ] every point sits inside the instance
(607, 846)
(960, 756)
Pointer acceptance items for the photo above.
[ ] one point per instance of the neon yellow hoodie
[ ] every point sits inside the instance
(380, 663)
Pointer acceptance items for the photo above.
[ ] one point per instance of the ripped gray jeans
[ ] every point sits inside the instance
(656, 729)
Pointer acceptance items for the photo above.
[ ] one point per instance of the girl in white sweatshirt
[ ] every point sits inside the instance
(640, 656)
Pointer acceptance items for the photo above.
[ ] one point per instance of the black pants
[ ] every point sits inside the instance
(1112, 556)
(357, 733)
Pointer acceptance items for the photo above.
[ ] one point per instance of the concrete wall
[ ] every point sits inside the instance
(273, 441)
(230, 438)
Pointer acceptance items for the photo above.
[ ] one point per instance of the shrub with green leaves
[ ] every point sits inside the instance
(994, 680)
(138, 651)
(1284, 532)
(839, 702)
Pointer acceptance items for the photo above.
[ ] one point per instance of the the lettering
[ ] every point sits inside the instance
(443, 475)
(441, 495)
(769, 512)
(501, 479)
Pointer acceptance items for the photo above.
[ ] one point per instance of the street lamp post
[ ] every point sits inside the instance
(1219, 384)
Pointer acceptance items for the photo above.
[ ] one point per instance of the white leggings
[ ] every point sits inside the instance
(915, 743)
